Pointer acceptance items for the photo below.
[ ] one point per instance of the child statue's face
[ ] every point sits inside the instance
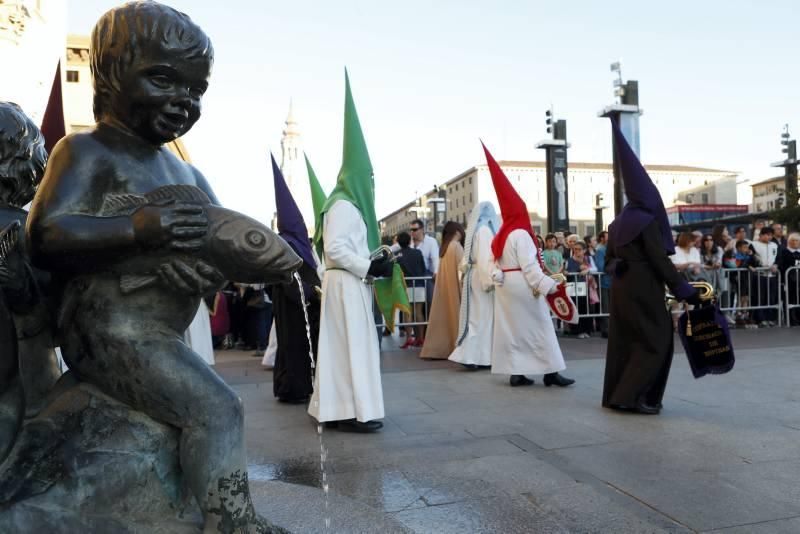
(161, 93)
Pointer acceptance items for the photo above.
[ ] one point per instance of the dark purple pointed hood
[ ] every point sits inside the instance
(644, 203)
(291, 226)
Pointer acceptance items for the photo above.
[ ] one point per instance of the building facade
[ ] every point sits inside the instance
(722, 191)
(768, 193)
(585, 182)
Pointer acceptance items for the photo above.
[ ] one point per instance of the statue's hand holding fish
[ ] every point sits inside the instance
(192, 244)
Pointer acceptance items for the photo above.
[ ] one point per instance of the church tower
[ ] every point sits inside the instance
(294, 170)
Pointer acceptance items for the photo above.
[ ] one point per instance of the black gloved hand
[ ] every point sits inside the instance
(694, 298)
(380, 267)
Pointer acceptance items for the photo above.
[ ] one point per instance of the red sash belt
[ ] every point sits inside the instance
(511, 270)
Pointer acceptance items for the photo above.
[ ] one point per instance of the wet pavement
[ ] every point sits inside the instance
(464, 452)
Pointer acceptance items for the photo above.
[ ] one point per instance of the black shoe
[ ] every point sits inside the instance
(555, 379)
(470, 366)
(293, 400)
(520, 380)
(647, 409)
(484, 367)
(351, 425)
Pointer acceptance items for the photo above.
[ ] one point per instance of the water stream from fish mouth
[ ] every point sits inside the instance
(323, 451)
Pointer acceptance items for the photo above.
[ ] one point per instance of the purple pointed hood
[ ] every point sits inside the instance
(291, 226)
(644, 203)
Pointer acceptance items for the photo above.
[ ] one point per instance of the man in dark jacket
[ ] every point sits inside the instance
(413, 264)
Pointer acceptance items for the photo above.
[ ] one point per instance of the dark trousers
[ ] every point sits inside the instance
(766, 294)
(256, 325)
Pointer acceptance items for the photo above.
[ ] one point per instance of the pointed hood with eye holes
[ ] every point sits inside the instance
(512, 208)
(291, 226)
(644, 203)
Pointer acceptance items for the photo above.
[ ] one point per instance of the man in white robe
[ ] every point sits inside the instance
(476, 317)
(524, 341)
(347, 384)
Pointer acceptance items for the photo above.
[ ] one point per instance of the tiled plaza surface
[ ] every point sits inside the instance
(463, 452)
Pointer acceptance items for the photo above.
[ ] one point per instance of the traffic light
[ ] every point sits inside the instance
(785, 140)
(548, 120)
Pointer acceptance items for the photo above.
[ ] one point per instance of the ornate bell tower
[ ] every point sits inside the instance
(293, 167)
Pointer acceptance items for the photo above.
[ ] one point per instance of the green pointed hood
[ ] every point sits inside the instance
(318, 196)
(355, 182)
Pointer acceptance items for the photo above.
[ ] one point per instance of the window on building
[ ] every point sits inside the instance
(573, 229)
(704, 197)
(72, 76)
(456, 203)
(537, 229)
(589, 229)
(470, 198)
(470, 180)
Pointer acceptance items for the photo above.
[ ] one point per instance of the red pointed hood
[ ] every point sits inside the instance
(512, 207)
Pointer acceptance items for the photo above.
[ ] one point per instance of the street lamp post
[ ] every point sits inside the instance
(557, 178)
(627, 111)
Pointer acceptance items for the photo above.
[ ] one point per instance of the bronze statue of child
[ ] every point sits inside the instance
(150, 65)
(28, 367)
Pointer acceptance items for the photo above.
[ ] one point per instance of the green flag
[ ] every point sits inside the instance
(356, 185)
(318, 197)
(391, 295)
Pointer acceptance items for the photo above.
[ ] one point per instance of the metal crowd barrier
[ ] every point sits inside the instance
(420, 295)
(791, 282)
(754, 295)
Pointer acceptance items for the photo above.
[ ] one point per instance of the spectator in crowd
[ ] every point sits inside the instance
(727, 246)
(605, 281)
(429, 248)
(561, 244)
(777, 235)
(569, 242)
(740, 234)
(697, 237)
(757, 227)
(580, 267)
(591, 244)
(552, 257)
(765, 288)
(741, 258)
(711, 257)
(257, 318)
(220, 320)
(687, 257)
(413, 265)
(442, 331)
(789, 257)
(427, 245)
(722, 238)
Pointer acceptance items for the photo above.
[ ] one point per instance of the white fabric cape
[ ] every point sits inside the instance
(474, 346)
(347, 383)
(198, 335)
(524, 337)
(268, 361)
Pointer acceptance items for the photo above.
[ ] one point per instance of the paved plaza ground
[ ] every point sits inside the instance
(463, 452)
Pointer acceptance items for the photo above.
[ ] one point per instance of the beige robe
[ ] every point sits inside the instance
(442, 330)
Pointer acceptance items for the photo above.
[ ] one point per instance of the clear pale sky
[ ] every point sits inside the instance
(717, 81)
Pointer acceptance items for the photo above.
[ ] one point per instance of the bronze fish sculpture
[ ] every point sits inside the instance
(241, 248)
